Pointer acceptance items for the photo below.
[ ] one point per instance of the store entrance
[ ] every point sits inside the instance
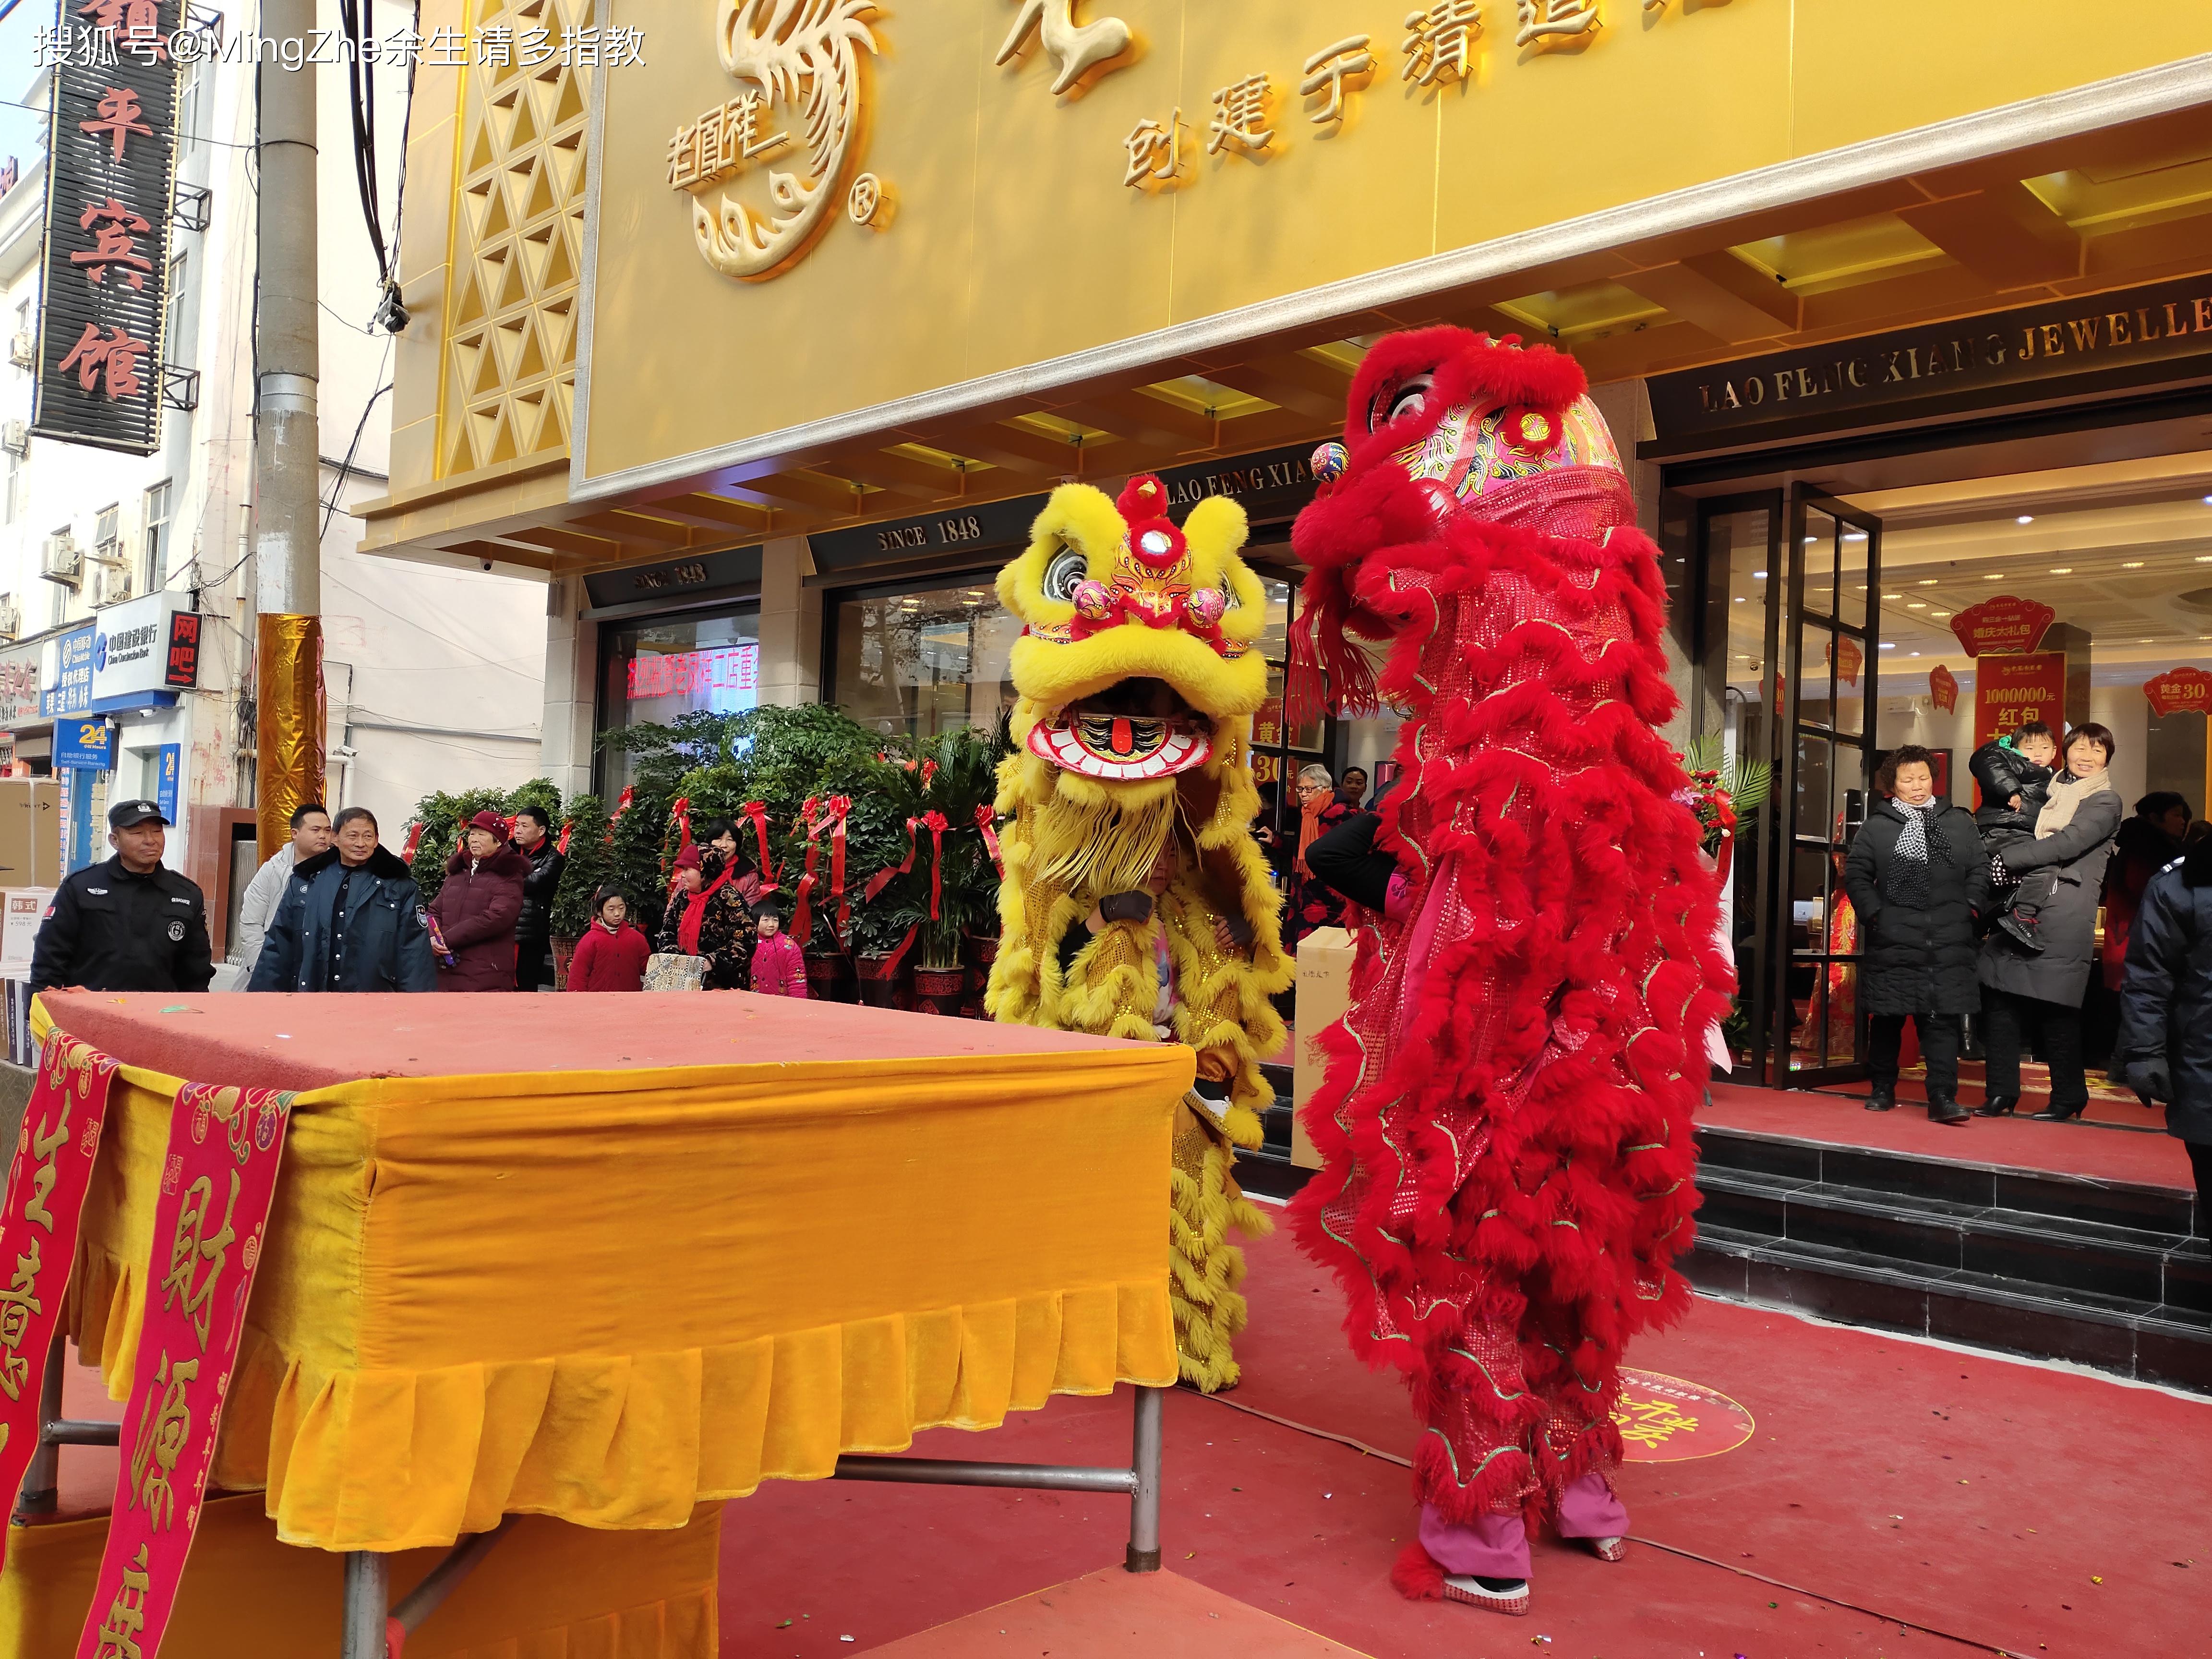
(1786, 674)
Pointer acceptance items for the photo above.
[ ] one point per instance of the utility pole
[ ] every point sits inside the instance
(288, 744)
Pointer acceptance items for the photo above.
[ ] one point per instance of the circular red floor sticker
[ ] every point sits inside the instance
(1666, 1419)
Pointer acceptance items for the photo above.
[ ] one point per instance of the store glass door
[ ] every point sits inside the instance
(1829, 657)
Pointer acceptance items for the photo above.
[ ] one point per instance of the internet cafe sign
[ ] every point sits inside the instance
(2140, 335)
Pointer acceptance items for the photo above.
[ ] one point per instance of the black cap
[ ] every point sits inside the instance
(124, 813)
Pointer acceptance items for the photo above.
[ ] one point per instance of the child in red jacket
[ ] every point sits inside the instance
(610, 956)
(779, 966)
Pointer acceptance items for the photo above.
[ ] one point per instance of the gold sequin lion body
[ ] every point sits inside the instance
(1130, 799)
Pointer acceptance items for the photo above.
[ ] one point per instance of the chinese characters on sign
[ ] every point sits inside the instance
(1555, 19)
(720, 142)
(1438, 40)
(696, 673)
(1155, 152)
(113, 158)
(1240, 117)
(1331, 72)
(1076, 48)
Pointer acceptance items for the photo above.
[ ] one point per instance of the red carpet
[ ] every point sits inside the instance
(2074, 1149)
(1964, 1493)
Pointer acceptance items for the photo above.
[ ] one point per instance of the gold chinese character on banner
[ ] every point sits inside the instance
(117, 1636)
(163, 1431)
(1240, 112)
(1543, 20)
(1155, 152)
(1077, 48)
(1437, 40)
(193, 1243)
(1328, 72)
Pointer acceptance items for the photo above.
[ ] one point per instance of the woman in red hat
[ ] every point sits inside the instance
(472, 918)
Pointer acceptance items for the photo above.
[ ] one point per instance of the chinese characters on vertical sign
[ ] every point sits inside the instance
(112, 151)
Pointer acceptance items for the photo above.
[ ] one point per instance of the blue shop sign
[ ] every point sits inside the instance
(165, 782)
(68, 688)
(84, 746)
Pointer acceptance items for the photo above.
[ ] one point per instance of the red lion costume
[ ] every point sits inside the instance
(1506, 1117)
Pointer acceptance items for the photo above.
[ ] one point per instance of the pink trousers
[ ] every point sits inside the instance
(1497, 1546)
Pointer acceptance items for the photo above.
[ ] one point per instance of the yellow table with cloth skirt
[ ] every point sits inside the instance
(609, 1260)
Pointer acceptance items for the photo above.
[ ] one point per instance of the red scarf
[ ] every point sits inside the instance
(694, 911)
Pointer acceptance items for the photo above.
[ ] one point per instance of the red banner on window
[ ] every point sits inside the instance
(1943, 688)
(2010, 690)
(2179, 690)
(2002, 622)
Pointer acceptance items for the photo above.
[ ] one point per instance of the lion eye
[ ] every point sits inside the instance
(1064, 575)
(1228, 599)
(1409, 398)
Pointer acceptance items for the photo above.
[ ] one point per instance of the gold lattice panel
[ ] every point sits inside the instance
(510, 374)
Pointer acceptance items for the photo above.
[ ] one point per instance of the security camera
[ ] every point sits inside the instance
(486, 564)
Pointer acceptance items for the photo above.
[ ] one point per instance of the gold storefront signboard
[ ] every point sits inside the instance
(816, 219)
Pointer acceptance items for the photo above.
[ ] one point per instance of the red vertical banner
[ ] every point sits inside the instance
(2011, 691)
(46, 1185)
(217, 1180)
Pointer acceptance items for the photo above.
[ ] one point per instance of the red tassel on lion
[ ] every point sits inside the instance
(1506, 1117)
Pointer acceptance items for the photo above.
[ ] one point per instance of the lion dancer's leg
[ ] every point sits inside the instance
(1213, 1014)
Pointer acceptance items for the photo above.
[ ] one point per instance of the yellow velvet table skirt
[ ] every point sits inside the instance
(545, 1591)
(607, 1296)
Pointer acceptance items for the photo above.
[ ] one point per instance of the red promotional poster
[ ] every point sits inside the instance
(2178, 691)
(2010, 691)
(1849, 656)
(216, 1184)
(38, 1234)
(2003, 623)
(1943, 688)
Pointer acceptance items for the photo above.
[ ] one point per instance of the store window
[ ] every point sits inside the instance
(654, 669)
(915, 664)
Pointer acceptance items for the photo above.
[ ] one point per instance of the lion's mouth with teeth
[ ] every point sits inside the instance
(1135, 730)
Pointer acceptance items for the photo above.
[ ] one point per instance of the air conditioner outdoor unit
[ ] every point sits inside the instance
(61, 561)
(23, 350)
(114, 584)
(15, 437)
(11, 617)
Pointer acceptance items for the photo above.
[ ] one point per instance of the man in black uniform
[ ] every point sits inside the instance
(126, 925)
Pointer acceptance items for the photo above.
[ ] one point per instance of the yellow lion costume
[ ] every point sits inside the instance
(1136, 902)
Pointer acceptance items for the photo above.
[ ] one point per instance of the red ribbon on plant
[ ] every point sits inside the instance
(985, 822)
(414, 840)
(822, 816)
(936, 823)
(757, 812)
(562, 846)
(680, 815)
(628, 799)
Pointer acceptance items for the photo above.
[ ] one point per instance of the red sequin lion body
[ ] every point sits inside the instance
(1506, 1118)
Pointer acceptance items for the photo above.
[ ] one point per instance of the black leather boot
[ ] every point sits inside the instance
(1944, 1107)
(2060, 1114)
(1997, 1106)
(1884, 1097)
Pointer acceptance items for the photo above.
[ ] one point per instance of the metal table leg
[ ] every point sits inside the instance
(1144, 1552)
(367, 1605)
(1141, 1479)
(42, 1480)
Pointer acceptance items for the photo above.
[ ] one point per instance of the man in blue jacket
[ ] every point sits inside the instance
(2165, 1048)
(351, 919)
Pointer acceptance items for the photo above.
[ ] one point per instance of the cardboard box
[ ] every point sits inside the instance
(1324, 988)
(30, 832)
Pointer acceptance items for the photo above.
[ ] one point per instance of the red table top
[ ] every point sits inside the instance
(292, 1040)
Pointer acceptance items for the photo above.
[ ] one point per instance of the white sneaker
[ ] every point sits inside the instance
(1513, 1598)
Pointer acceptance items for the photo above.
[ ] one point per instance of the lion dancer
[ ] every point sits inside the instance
(1505, 1119)
(1136, 902)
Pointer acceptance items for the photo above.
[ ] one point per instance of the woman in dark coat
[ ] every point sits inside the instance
(713, 918)
(1917, 878)
(2146, 844)
(2044, 988)
(2165, 1048)
(350, 919)
(477, 908)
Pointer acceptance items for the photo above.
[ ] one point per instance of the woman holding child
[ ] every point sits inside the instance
(2035, 974)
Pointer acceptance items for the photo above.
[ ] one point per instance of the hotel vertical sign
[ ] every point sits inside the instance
(112, 154)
